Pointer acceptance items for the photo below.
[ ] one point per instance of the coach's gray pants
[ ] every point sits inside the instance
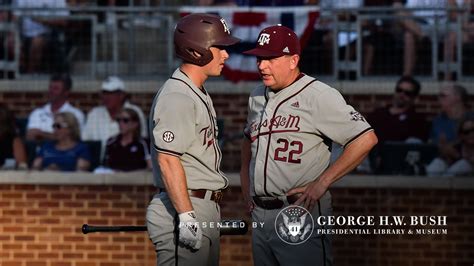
(270, 250)
(162, 229)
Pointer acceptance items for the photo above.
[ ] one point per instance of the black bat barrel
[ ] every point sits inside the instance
(226, 227)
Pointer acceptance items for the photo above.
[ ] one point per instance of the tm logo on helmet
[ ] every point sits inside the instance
(226, 28)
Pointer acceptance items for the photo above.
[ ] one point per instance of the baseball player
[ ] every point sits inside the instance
(292, 120)
(185, 154)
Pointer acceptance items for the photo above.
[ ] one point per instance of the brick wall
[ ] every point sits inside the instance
(40, 225)
(232, 108)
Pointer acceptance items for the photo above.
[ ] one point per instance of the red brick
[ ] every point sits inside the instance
(36, 246)
(24, 188)
(61, 247)
(86, 264)
(97, 256)
(7, 246)
(13, 229)
(24, 238)
(36, 263)
(48, 204)
(5, 204)
(86, 213)
(36, 229)
(70, 255)
(37, 212)
(110, 264)
(61, 196)
(12, 263)
(86, 196)
(62, 230)
(73, 204)
(61, 213)
(49, 221)
(124, 256)
(48, 255)
(108, 196)
(57, 263)
(98, 204)
(12, 196)
(23, 255)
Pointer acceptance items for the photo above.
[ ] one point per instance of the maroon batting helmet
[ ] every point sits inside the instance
(197, 33)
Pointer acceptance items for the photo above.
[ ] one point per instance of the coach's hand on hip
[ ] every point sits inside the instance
(190, 233)
(310, 194)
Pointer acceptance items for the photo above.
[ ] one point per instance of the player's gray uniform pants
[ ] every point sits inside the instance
(162, 225)
(270, 250)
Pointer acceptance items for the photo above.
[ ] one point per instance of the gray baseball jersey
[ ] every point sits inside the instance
(183, 123)
(291, 132)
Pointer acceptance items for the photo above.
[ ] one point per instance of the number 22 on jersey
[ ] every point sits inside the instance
(288, 151)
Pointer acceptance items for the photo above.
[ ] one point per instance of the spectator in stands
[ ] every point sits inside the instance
(346, 39)
(38, 32)
(457, 159)
(400, 121)
(101, 120)
(40, 121)
(67, 152)
(127, 151)
(418, 27)
(11, 145)
(467, 34)
(453, 100)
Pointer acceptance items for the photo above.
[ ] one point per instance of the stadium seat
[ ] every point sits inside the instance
(95, 148)
(21, 124)
(32, 147)
(400, 158)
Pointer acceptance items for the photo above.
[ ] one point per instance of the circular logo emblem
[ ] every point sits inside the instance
(294, 225)
(168, 136)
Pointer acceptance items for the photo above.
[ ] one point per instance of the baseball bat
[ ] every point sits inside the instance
(226, 227)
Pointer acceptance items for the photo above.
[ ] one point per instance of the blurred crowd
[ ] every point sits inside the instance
(112, 137)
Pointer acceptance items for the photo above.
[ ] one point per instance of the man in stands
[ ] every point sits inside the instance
(40, 121)
(101, 120)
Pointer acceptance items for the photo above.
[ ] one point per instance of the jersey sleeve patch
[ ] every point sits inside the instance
(356, 116)
(168, 136)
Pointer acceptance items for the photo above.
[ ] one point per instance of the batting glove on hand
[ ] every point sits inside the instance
(190, 234)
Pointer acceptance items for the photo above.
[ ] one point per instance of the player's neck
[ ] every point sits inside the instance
(293, 77)
(195, 74)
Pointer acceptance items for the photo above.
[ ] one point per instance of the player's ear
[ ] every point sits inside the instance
(295, 59)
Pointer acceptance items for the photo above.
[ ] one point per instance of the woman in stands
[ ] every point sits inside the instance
(127, 151)
(460, 161)
(67, 152)
(11, 145)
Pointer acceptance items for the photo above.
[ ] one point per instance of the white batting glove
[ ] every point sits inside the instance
(190, 233)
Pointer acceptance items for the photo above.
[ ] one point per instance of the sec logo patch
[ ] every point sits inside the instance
(168, 136)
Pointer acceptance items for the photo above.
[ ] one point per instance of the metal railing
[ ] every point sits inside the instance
(136, 41)
(359, 26)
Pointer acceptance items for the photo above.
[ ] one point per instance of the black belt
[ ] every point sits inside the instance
(216, 196)
(270, 203)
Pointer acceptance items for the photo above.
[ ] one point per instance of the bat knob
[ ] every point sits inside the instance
(85, 229)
